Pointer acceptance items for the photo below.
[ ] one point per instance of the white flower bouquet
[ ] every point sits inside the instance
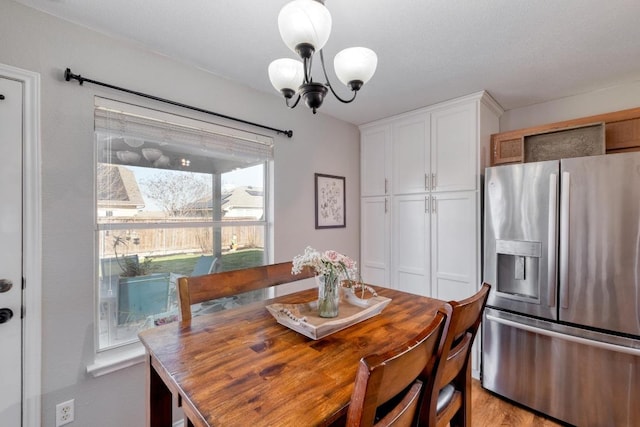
(328, 263)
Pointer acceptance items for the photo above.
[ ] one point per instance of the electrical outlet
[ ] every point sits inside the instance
(64, 413)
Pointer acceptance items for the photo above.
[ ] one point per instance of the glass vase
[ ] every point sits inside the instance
(328, 295)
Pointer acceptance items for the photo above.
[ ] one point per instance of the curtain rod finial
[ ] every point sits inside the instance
(68, 75)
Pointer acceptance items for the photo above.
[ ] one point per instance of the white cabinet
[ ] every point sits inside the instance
(425, 167)
(374, 241)
(411, 243)
(454, 148)
(455, 224)
(375, 156)
(411, 154)
(421, 199)
(375, 168)
(434, 244)
(435, 150)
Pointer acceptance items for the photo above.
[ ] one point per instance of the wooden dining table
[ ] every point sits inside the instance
(239, 367)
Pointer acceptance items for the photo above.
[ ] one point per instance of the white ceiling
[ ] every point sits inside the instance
(522, 51)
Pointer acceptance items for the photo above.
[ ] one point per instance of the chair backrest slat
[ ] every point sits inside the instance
(196, 289)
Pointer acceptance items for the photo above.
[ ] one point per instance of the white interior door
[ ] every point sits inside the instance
(11, 252)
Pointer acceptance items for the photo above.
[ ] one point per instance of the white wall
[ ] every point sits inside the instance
(601, 101)
(37, 42)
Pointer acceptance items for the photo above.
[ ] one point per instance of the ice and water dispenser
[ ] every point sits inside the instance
(518, 266)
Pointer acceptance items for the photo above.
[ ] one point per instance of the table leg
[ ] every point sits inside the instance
(159, 403)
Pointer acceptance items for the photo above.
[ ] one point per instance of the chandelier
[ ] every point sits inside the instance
(305, 26)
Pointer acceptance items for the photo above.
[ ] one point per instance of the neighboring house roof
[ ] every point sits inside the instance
(117, 187)
(243, 198)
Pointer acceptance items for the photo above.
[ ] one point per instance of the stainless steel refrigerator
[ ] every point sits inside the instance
(561, 332)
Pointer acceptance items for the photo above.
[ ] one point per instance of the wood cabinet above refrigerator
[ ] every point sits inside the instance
(622, 133)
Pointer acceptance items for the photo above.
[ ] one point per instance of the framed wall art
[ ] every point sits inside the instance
(331, 200)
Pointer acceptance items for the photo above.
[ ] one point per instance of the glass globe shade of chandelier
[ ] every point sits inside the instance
(305, 26)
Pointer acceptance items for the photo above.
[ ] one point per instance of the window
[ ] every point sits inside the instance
(174, 197)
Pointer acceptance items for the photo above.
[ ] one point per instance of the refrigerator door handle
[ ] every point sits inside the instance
(567, 337)
(564, 239)
(552, 260)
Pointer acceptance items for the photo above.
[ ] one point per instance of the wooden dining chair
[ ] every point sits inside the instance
(197, 289)
(387, 389)
(448, 398)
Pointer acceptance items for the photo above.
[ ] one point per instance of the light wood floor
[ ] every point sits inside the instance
(488, 410)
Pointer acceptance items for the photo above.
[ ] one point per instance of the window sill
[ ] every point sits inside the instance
(119, 358)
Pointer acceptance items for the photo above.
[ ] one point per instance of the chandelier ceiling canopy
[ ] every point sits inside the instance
(305, 26)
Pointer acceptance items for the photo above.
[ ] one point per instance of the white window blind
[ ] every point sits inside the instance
(127, 120)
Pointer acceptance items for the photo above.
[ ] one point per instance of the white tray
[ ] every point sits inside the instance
(303, 318)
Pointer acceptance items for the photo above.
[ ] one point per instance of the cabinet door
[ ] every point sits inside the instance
(374, 240)
(374, 161)
(454, 245)
(624, 134)
(506, 150)
(410, 247)
(454, 159)
(410, 148)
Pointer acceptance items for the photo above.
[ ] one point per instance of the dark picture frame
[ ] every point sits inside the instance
(331, 201)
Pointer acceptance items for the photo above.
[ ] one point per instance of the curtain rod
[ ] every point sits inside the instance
(68, 75)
